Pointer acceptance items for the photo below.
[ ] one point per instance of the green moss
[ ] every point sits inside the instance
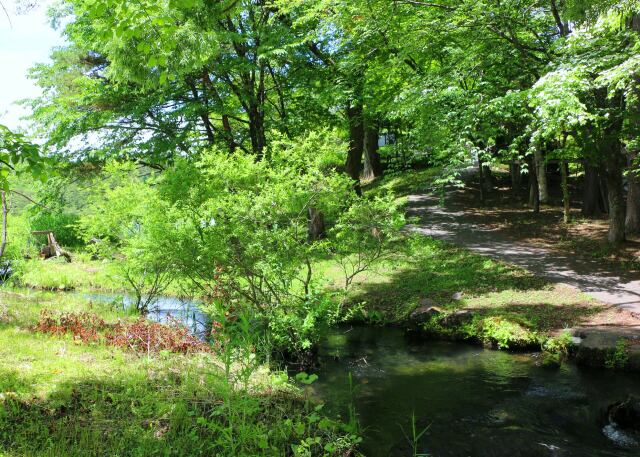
(492, 331)
(506, 334)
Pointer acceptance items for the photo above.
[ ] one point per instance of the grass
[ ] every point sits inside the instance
(502, 304)
(57, 274)
(82, 274)
(62, 397)
(424, 268)
(402, 184)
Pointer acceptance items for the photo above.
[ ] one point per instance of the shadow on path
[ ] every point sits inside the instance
(453, 223)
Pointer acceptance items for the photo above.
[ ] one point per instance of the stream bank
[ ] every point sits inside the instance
(597, 346)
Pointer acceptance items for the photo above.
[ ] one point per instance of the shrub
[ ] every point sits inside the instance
(19, 238)
(63, 225)
(237, 231)
(84, 326)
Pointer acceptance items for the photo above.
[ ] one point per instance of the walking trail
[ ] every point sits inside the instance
(455, 223)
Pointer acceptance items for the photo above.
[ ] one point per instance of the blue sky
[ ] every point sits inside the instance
(28, 41)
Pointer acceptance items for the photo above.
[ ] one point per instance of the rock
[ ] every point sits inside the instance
(458, 318)
(6, 270)
(600, 347)
(625, 414)
(424, 313)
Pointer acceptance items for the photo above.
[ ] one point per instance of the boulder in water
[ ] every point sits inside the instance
(458, 318)
(626, 414)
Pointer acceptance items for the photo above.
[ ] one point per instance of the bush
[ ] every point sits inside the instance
(237, 231)
(134, 226)
(19, 238)
(63, 225)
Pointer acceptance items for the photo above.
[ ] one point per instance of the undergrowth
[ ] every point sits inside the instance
(141, 336)
(87, 384)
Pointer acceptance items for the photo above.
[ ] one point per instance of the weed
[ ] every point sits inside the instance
(82, 326)
(144, 336)
(619, 357)
(96, 399)
(415, 437)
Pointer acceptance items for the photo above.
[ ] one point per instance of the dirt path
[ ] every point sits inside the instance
(455, 223)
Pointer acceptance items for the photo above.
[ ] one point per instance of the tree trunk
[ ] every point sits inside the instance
(256, 131)
(516, 177)
(614, 167)
(481, 180)
(356, 144)
(541, 176)
(256, 115)
(5, 211)
(632, 222)
(616, 204)
(372, 162)
(226, 126)
(316, 224)
(487, 181)
(594, 195)
(564, 173)
(534, 191)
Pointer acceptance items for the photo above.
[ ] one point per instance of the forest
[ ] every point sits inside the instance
(322, 228)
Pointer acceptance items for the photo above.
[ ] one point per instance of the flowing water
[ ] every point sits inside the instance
(475, 402)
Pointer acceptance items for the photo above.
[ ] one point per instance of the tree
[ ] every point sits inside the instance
(17, 155)
(169, 79)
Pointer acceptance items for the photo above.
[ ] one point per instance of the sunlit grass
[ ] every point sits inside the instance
(81, 274)
(508, 305)
(60, 397)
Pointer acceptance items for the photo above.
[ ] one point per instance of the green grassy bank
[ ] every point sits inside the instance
(60, 396)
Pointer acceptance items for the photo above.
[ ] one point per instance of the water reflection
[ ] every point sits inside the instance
(475, 402)
(164, 309)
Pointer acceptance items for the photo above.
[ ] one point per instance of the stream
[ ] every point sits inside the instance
(474, 402)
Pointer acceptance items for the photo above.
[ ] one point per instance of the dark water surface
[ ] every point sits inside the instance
(476, 402)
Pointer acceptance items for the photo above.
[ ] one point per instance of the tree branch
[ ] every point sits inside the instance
(430, 5)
